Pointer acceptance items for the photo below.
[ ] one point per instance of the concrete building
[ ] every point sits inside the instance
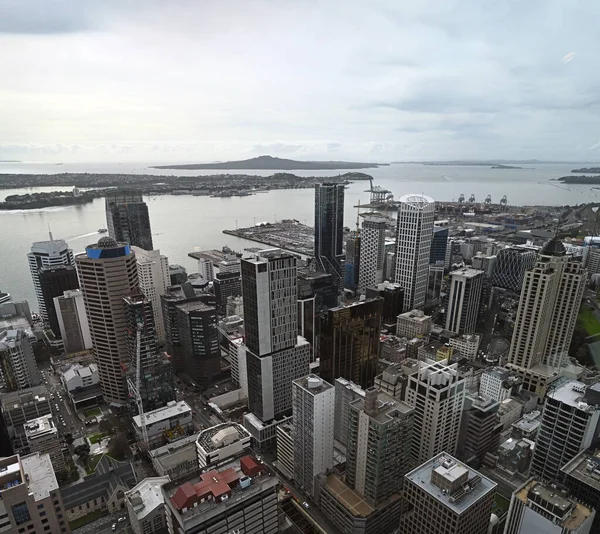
(165, 424)
(276, 355)
(414, 232)
(42, 436)
(380, 432)
(47, 254)
(393, 380)
(480, 428)
(30, 499)
(73, 322)
(176, 459)
(437, 392)
(241, 496)
(329, 230)
(466, 344)
(107, 273)
(546, 317)
(499, 384)
(18, 368)
(219, 444)
(225, 285)
(82, 383)
(439, 243)
(464, 300)
(153, 275)
(445, 497)
(346, 391)
(352, 263)
(313, 403)
(569, 425)
(413, 324)
(177, 274)
(582, 477)
(511, 265)
(206, 269)
(285, 450)
(146, 506)
(349, 342)
(127, 219)
(372, 251)
(537, 508)
(21, 406)
(54, 281)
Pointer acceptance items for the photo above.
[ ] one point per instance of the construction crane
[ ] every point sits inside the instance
(136, 388)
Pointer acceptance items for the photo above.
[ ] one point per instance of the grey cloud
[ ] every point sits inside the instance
(44, 16)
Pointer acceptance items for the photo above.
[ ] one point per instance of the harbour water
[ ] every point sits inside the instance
(182, 224)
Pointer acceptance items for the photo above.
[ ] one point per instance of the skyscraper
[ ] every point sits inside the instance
(445, 497)
(569, 425)
(313, 402)
(349, 342)
(439, 243)
(54, 281)
(437, 392)
(276, 354)
(107, 273)
(372, 254)
(414, 232)
(464, 301)
(329, 230)
(18, 368)
(352, 263)
(127, 219)
(72, 321)
(153, 274)
(47, 254)
(510, 267)
(225, 285)
(157, 382)
(546, 317)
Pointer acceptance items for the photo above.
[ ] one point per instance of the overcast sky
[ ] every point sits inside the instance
(202, 80)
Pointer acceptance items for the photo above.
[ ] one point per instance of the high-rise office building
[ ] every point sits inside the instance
(73, 322)
(225, 285)
(329, 230)
(352, 263)
(313, 403)
(380, 432)
(107, 273)
(393, 301)
(346, 391)
(153, 275)
(538, 508)
(54, 281)
(372, 253)
(128, 220)
(349, 342)
(414, 232)
(30, 496)
(21, 406)
(198, 342)
(18, 368)
(445, 497)
(276, 355)
(569, 425)
(550, 299)
(437, 392)
(47, 254)
(511, 264)
(42, 436)
(464, 301)
(439, 243)
(480, 428)
(157, 382)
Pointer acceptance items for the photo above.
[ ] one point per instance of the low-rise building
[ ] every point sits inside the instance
(177, 459)
(218, 444)
(413, 324)
(42, 436)
(499, 383)
(165, 424)
(82, 383)
(466, 344)
(146, 506)
(21, 406)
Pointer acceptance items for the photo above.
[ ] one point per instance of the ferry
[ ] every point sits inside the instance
(102, 230)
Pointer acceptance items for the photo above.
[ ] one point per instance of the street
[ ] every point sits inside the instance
(104, 524)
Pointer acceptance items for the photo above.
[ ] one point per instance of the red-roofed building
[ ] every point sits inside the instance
(250, 466)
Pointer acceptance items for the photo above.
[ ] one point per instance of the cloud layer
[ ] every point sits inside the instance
(395, 80)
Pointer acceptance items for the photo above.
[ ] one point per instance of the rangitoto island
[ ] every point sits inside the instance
(588, 170)
(272, 163)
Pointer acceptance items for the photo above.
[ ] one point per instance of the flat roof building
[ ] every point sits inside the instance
(42, 436)
(165, 424)
(146, 506)
(220, 443)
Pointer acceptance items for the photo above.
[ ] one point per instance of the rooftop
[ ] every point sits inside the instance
(42, 479)
(173, 409)
(313, 384)
(415, 315)
(197, 305)
(467, 272)
(34, 428)
(147, 496)
(449, 470)
(575, 394)
(15, 399)
(387, 407)
(220, 436)
(585, 467)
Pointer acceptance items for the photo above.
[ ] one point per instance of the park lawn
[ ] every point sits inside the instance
(77, 523)
(92, 463)
(588, 321)
(93, 412)
(95, 438)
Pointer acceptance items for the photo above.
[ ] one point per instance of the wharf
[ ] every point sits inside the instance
(287, 234)
(214, 256)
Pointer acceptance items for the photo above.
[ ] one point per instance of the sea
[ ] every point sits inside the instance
(183, 224)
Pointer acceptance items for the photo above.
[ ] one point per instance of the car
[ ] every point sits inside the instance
(64, 424)
(122, 518)
(114, 527)
(305, 504)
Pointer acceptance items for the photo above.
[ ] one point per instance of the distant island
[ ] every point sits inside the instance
(31, 201)
(579, 180)
(271, 163)
(504, 167)
(590, 170)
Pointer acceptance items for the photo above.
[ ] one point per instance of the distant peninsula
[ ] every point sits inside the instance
(272, 163)
(589, 170)
(592, 180)
(504, 167)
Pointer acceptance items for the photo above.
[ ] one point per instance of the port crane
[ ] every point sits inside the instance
(488, 199)
(461, 198)
(472, 198)
(503, 201)
(136, 388)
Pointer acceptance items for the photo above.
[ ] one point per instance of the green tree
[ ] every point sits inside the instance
(118, 447)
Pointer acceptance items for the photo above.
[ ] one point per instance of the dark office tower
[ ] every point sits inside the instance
(511, 264)
(128, 220)
(439, 243)
(464, 300)
(107, 273)
(393, 300)
(157, 382)
(226, 285)
(54, 281)
(200, 352)
(329, 230)
(350, 342)
(276, 355)
(352, 261)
